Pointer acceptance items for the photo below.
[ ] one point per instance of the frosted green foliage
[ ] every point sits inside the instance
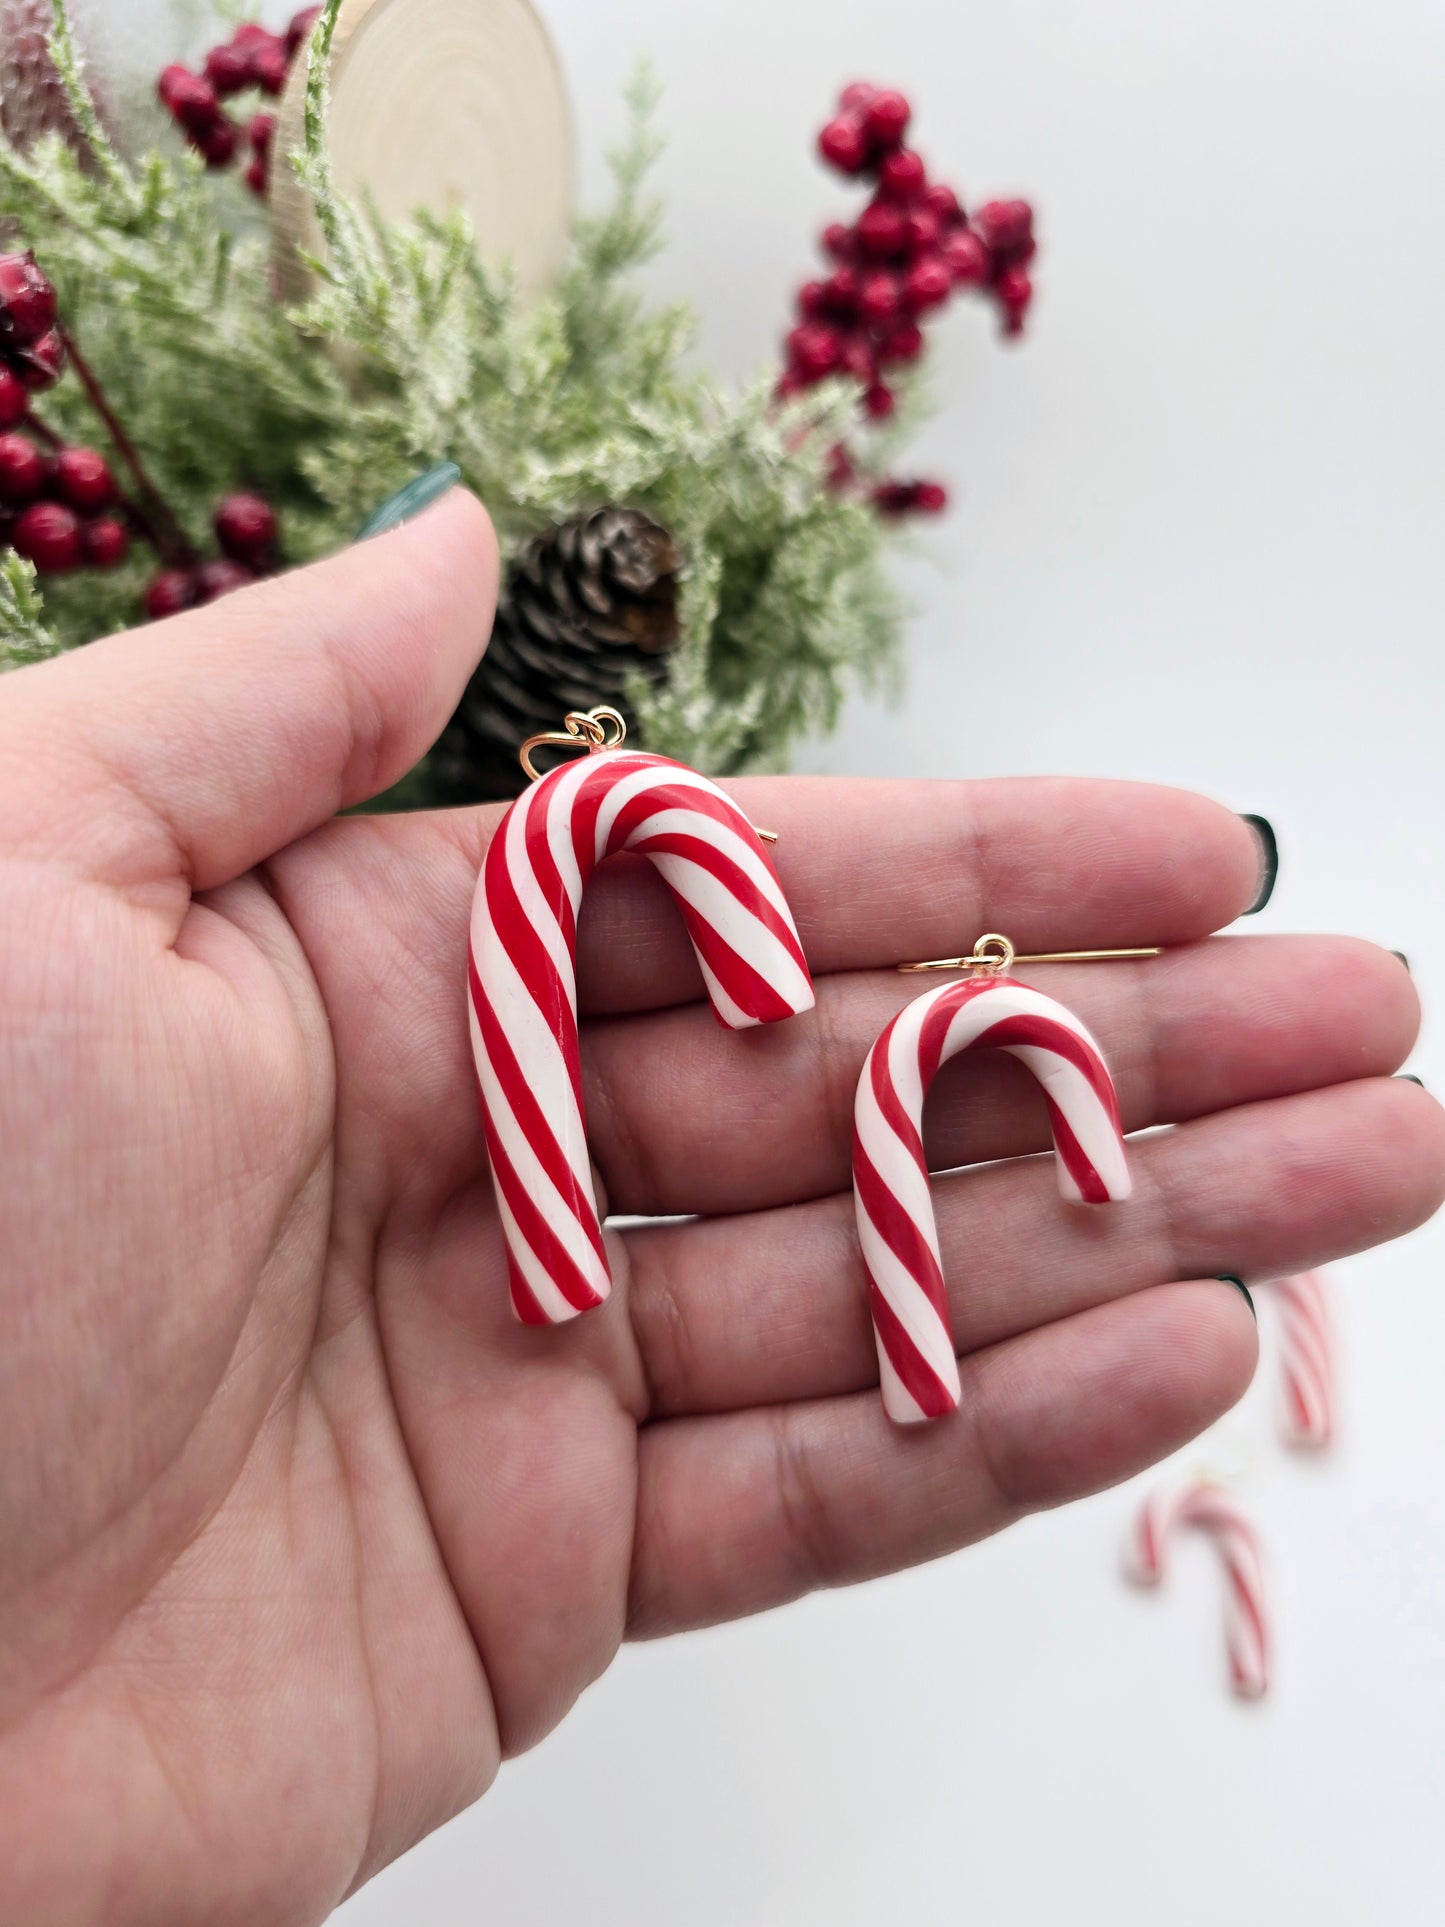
(411, 349)
(23, 634)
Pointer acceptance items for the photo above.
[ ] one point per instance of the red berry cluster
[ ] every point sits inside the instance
(53, 503)
(253, 59)
(32, 353)
(58, 509)
(898, 265)
(246, 531)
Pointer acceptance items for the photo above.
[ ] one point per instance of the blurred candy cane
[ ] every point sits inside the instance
(896, 1229)
(522, 979)
(1308, 1359)
(1203, 1504)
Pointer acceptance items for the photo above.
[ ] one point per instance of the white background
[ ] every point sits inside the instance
(1198, 539)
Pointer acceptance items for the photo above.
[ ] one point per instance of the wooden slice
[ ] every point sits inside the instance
(436, 103)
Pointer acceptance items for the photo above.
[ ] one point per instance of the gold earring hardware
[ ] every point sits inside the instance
(593, 730)
(996, 955)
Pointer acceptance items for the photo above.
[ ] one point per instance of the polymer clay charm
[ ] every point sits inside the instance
(523, 988)
(989, 1010)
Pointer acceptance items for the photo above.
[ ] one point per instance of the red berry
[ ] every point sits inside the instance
(13, 399)
(48, 534)
(790, 385)
(879, 296)
(813, 300)
(105, 542)
(268, 67)
(172, 79)
(1014, 289)
(893, 498)
(927, 284)
(930, 498)
(192, 101)
(858, 359)
(83, 479)
(903, 343)
(300, 29)
(23, 470)
(257, 178)
(839, 242)
(887, 119)
(259, 132)
(215, 579)
(965, 257)
(228, 69)
(246, 530)
(844, 145)
(920, 232)
(218, 142)
(857, 97)
(942, 203)
(902, 177)
(170, 592)
(880, 230)
(843, 289)
(814, 350)
(27, 301)
(1007, 227)
(880, 402)
(39, 365)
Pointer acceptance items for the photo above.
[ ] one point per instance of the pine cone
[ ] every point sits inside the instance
(583, 609)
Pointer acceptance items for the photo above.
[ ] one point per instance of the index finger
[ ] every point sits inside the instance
(890, 871)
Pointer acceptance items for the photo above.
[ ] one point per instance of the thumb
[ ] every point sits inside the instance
(200, 746)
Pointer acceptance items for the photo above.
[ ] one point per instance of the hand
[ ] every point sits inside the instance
(300, 1533)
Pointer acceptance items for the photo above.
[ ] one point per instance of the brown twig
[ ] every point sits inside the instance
(165, 532)
(47, 434)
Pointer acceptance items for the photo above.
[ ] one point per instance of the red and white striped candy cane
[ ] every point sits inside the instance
(522, 978)
(1308, 1359)
(896, 1228)
(1203, 1504)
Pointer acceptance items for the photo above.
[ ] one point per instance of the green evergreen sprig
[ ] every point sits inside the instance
(413, 348)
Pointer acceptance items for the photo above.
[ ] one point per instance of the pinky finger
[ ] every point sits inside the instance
(746, 1511)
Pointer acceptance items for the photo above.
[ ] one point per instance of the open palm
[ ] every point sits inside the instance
(300, 1532)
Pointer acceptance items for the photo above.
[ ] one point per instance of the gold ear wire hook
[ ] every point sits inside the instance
(995, 953)
(593, 730)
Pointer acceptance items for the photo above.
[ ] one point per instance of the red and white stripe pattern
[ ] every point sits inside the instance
(522, 978)
(1308, 1359)
(896, 1228)
(1205, 1505)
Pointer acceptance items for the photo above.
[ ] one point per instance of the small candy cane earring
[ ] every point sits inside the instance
(1206, 1505)
(989, 1010)
(522, 976)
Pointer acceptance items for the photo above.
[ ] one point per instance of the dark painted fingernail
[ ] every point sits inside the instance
(1403, 958)
(1228, 1278)
(1408, 1077)
(1269, 864)
(418, 494)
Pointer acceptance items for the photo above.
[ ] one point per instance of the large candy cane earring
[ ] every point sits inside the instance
(522, 976)
(989, 1010)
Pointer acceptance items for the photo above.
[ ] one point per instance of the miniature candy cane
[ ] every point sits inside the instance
(1308, 1369)
(1246, 1622)
(896, 1228)
(522, 978)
